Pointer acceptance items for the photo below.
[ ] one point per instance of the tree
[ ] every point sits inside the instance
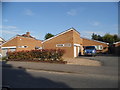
(48, 35)
(116, 38)
(94, 36)
(106, 38)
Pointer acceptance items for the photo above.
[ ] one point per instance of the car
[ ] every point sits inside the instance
(90, 50)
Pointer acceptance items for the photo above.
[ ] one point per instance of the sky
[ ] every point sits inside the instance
(40, 18)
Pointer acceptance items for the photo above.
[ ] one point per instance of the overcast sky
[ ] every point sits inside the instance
(49, 17)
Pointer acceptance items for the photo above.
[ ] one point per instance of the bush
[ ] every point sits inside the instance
(4, 58)
(44, 54)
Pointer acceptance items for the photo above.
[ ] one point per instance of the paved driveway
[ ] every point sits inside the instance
(108, 61)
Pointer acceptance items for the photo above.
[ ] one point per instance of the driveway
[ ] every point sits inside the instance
(108, 61)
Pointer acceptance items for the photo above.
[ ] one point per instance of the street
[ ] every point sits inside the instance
(92, 77)
(20, 78)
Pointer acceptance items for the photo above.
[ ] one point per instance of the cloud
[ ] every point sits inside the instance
(5, 20)
(88, 33)
(9, 32)
(29, 12)
(8, 27)
(95, 23)
(72, 12)
(91, 32)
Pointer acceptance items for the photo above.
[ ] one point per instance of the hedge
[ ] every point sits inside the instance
(44, 54)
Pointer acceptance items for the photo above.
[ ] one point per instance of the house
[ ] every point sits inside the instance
(1, 40)
(100, 46)
(72, 43)
(68, 40)
(21, 42)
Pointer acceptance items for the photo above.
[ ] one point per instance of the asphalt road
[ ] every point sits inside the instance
(26, 78)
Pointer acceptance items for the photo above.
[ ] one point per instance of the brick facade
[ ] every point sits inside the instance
(23, 43)
(88, 42)
(70, 37)
(69, 40)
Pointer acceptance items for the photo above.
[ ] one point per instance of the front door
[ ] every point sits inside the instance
(76, 50)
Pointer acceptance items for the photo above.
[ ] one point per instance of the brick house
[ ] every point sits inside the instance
(1, 40)
(21, 42)
(100, 46)
(68, 40)
(72, 43)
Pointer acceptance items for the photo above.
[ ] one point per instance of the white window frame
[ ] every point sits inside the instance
(67, 45)
(38, 47)
(60, 45)
(99, 47)
(23, 46)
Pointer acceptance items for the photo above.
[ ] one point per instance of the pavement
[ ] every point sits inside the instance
(68, 68)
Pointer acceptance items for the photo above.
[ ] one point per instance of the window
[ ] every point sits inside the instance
(99, 47)
(38, 47)
(22, 46)
(67, 44)
(59, 45)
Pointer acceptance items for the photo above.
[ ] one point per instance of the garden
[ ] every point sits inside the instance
(43, 55)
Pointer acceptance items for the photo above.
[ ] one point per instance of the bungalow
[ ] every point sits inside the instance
(100, 46)
(72, 43)
(68, 40)
(1, 40)
(21, 42)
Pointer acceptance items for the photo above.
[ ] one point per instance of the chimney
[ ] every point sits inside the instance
(28, 34)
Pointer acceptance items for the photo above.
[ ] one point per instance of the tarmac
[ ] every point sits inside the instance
(64, 68)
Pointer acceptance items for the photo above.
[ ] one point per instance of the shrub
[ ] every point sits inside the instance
(20, 55)
(44, 54)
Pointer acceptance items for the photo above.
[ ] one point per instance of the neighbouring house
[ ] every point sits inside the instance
(117, 48)
(1, 40)
(21, 42)
(101, 47)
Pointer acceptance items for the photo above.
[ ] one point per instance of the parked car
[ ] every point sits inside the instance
(90, 50)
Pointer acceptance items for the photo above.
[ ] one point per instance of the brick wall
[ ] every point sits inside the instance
(61, 39)
(23, 41)
(87, 42)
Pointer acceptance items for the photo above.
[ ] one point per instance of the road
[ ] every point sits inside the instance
(20, 78)
(27, 78)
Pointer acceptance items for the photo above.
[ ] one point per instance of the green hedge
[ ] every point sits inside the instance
(44, 54)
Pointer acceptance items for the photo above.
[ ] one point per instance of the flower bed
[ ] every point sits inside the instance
(44, 55)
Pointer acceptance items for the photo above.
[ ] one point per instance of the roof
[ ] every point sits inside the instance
(61, 34)
(95, 40)
(18, 36)
(1, 39)
(116, 42)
